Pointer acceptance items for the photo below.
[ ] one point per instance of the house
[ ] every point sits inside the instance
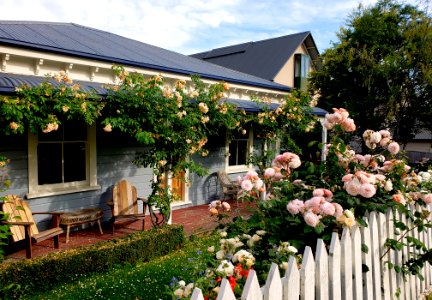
(29, 50)
(286, 60)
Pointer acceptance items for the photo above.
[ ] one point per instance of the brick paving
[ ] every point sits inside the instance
(195, 220)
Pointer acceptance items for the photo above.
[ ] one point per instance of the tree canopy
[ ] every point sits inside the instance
(381, 69)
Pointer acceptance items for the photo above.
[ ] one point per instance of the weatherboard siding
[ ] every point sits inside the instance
(114, 162)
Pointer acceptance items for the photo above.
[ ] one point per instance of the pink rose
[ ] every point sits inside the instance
(295, 206)
(384, 133)
(247, 185)
(393, 148)
(347, 177)
(367, 190)
(226, 206)
(269, 172)
(399, 198)
(311, 219)
(353, 187)
(327, 209)
(348, 125)
(314, 202)
(427, 198)
(338, 209)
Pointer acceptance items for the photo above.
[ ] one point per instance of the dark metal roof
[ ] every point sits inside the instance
(9, 82)
(262, 58)
(251, 106)
(85, 42)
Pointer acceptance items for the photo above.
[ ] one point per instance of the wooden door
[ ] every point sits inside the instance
(177, 187)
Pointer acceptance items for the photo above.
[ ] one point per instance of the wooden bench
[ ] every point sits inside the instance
(82, 216)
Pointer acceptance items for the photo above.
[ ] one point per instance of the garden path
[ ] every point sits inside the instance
(195, 220)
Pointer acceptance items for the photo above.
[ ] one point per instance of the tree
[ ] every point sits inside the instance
(381, 69)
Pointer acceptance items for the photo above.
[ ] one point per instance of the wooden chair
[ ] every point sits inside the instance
(230, 188)
(23, 226)
(124, 204)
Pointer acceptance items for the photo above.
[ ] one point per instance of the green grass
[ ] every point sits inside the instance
(141, 281)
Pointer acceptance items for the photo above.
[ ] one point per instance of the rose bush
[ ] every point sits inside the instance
(300, 202)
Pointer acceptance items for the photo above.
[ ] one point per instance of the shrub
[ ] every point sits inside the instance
(43, 273)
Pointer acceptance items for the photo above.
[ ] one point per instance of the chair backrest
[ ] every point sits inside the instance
(125, 198)
(224, 179)
(18, 210)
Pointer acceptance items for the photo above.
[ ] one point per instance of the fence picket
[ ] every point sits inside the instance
(307, 276)
(383, 259)
(375, 255)
(291, 281)
(273, 286)
(346, 265)
(252, 289)
(368, 287)
(412, 278)
(419, 235)
(400, 280)
(197, 294)
(390, 218)
(225, 291)
(357, 263)
(405, 257)
(335, 268)
(321, 274)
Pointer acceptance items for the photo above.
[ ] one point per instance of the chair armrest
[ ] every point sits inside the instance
(17, 223)
(143, 199)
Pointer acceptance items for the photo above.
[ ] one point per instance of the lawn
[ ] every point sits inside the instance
(148, 280)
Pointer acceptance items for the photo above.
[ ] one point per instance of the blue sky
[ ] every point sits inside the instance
(190, 26)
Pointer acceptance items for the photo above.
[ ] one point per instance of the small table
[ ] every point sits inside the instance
(82, 216)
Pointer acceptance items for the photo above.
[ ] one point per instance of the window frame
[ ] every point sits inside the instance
(302, 63)
(249, 151)
(90, 183)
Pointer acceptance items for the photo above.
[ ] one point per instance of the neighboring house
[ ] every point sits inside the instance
(30, 50)
(286, 60)
(420, 147)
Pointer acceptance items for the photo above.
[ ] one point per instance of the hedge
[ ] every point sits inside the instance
(44, 272)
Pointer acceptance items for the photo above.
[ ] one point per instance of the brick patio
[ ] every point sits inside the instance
(195, 220)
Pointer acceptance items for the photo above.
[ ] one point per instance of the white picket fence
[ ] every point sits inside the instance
(337, 273)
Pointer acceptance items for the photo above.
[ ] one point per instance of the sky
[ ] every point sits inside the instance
(191, 26)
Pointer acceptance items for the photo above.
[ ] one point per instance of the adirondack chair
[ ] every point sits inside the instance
(229, 188)
(23, 226)
(124, 204)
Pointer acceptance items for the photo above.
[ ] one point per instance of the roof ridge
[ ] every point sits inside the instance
(253, 42)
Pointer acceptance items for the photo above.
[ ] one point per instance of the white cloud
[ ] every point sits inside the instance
(189, 26)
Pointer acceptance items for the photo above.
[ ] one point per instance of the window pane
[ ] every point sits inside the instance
(241, 152)
(53, 136)
(49, 163)
(74, 161)
(232, 161)
(75, 132)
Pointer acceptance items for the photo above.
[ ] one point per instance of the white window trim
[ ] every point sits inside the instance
(239, 168)
(90, 184)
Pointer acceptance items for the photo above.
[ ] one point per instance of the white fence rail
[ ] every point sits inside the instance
(337, 274)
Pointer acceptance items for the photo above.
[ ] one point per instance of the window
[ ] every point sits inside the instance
(301, 71)
(62, 161)
(239, 148)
